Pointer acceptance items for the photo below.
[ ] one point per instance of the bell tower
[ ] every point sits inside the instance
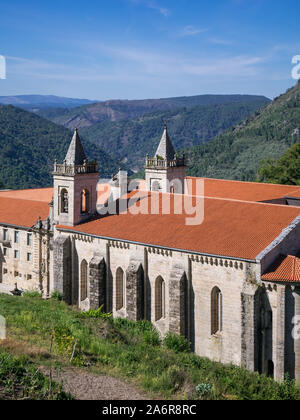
(165, 172)
(75, 186)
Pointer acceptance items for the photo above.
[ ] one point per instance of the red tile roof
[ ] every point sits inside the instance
(230, 228)
(284, 269)
(39, 194)
(23, 213)
(246, 191)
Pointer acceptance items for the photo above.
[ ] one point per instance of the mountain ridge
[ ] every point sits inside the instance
(237, 153)
(29, 146)
(116, 110)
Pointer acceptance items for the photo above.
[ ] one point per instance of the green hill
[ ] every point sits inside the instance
(29, 145)
(117, 110)
(130, 140)
(237, 153)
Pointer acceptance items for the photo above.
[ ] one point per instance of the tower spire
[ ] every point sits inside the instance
(165, 149)
(76, 154)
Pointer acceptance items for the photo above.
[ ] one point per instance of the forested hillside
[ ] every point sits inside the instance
(29, 145)
(117, 110)
(237, 154)
(285, 170)
(130, 140)
(37, 102)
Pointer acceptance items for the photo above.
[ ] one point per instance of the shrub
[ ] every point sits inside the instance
(57, 295)
(96, 313)
(151, 338)
(203, 390)
(178, 343)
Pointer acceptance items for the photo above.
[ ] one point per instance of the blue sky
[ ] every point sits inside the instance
(129, 49)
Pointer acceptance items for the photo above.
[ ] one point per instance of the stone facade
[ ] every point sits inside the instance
(248, 322)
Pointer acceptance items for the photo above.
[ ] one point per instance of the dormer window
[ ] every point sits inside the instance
(64, 201)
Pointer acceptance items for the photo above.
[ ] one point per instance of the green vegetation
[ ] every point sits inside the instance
(132, 351)
(130, 140)
(21, 380)
(285, 170)
(237, 153)
(29, 145)
(116, 110)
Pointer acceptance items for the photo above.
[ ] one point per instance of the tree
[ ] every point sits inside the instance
(286, 170)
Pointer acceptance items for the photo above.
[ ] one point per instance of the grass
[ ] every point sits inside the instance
(127, 350)
(21, 380)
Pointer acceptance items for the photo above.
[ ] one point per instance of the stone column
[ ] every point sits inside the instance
(62, 267)
(134, 290)
(177, 300)
(296, 295)
(97, 281)
(250, 309)
(279, 368)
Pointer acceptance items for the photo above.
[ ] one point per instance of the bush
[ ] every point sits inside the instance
(178, 343)
(96, 313)
(57, 295)
(20, 379)
(203, 390)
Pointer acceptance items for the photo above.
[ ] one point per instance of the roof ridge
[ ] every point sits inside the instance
(243, 182)
(224, 199)
(294, 269)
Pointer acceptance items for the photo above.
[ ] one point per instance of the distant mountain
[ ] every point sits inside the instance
(29, 146)
(37, 102)
(130, 140)
(117, 110)
(237, 153)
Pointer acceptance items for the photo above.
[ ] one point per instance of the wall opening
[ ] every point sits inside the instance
(85, 201)
(120, 303)
(83, 281)
(64, 197)
(216, 311)
(160, 299)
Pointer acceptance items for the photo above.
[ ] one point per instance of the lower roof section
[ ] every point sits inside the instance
(285, 269)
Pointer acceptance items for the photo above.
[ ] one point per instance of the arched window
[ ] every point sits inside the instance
(160, 299)
(83, 280)
(216, 311)
(85, 198)
(64, 201)
(119, 289)
(155, 185)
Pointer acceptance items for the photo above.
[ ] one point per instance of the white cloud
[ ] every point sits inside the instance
(154, 6)
(191, 31)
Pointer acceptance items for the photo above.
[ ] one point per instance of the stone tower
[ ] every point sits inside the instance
(165, 172)
(75, 186)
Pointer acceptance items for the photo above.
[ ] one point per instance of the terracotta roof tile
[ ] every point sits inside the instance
(247, 191)
(24, 213)
(39, 194)
(284, 269)
(230, 228)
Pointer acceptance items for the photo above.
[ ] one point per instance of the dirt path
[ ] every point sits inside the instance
(87, 386)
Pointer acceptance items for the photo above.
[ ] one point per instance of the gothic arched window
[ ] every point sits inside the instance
(85, 198)
(160, 299)
(64, 201)
(83, 280)
(216, 311)
(119, 289)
